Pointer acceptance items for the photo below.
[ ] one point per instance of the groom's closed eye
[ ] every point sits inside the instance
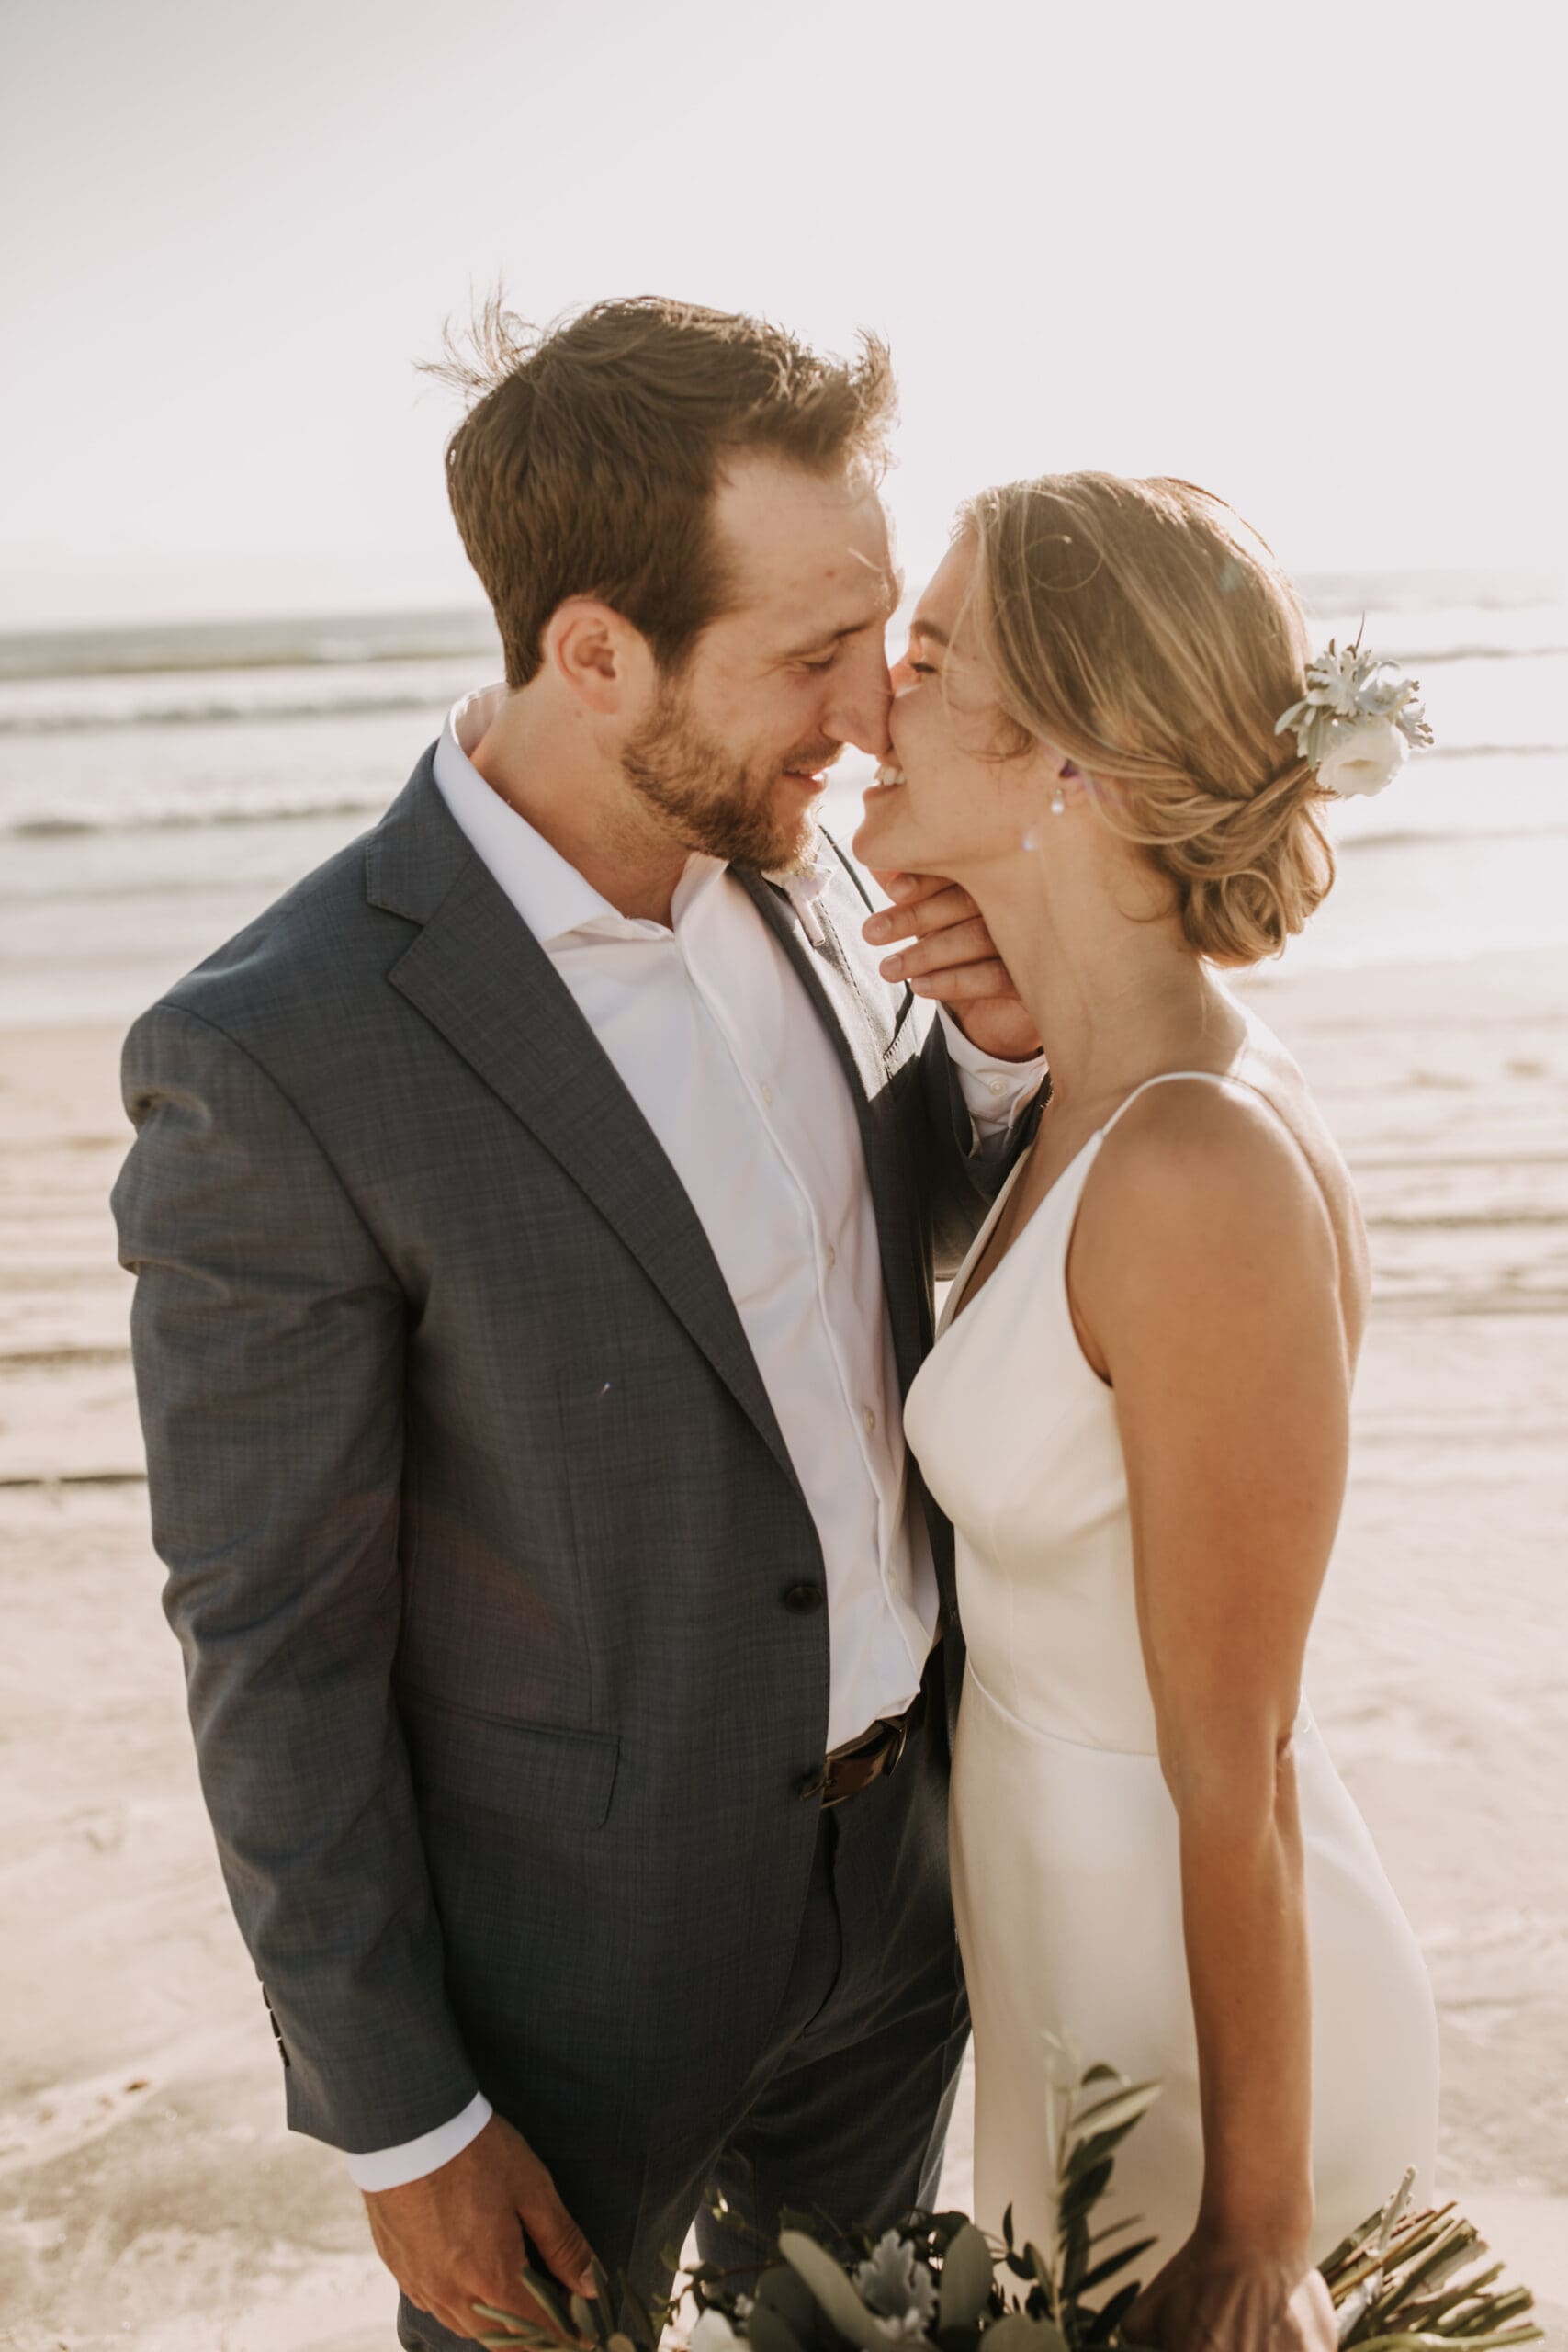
(824, 650)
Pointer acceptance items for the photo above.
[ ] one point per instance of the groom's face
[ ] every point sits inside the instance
(735, 751)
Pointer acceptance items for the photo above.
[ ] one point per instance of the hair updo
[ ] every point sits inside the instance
(1142, 631)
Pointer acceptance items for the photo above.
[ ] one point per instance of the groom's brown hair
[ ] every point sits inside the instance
(587, 463)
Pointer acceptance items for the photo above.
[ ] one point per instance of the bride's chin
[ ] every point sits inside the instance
(876, 827)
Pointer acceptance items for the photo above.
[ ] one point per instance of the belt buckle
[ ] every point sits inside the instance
(895, 1734)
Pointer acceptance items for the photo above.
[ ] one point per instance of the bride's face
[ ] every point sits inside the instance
(963, 801)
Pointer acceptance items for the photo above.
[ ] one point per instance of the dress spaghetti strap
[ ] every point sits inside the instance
(1211, 1076)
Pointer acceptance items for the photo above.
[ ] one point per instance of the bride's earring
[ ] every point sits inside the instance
(1058, 805)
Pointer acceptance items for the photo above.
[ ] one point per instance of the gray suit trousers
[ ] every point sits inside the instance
(847, 2106)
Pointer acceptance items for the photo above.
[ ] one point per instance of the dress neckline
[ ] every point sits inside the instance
(960, 1302)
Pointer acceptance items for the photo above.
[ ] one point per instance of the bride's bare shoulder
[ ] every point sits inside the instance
(1219, 1183)
(1233, 1135)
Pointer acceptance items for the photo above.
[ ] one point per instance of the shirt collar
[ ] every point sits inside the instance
(547, 891)
(803, 886)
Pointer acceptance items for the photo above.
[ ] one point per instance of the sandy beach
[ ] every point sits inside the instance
(149, 2194)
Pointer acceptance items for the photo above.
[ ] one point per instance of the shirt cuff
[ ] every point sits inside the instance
(393, 2167)
(995, 1093)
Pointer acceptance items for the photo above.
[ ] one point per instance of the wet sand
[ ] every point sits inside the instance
(149, 2194)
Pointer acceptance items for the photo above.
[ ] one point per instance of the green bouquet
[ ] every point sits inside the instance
(1401, 2282)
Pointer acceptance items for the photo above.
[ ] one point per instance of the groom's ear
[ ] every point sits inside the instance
(599, 657)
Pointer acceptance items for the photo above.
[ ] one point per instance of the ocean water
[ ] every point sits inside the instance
(160, 785)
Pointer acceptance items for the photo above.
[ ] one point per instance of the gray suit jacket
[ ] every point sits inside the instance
(484, 1544)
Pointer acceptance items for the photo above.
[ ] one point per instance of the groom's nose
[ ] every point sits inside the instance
(864, 695)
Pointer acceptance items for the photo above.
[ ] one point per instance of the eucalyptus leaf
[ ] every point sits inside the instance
(519, 2331)
(770, 2331)
(1121, 2107)
(837, 2297)
(1088, 2153)
(967, 2278)
(1016, 2333)
(1116, 2229)
(1079, 2195)
(1111, 2265)
(544, 2296)
(785, 2291)
(1114, 2312)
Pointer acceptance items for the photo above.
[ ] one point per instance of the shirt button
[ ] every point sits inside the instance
(804, 1599)
(996, 1086)
(766, 1092)
(869, 1417)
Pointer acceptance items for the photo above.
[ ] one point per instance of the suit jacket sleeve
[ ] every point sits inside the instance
(959, 1182)
(268, 1338)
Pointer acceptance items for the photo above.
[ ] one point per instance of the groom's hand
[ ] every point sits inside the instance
(456, 2237)
(953, 960)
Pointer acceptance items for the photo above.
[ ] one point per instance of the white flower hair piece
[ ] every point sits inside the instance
(1357, 722)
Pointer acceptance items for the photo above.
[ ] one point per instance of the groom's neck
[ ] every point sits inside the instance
(548, 767)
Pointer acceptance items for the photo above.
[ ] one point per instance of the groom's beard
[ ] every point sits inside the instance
(740, 810)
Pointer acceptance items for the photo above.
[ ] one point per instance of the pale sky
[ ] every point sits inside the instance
(1312, 257)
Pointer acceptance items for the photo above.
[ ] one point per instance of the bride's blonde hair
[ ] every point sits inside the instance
(1141, 629)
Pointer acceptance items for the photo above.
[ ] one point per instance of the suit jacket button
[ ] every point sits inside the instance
(803, 1599)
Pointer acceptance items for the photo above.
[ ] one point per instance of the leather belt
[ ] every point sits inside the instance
(872, 1756)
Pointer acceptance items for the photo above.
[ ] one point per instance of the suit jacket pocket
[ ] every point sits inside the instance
(544, 1770)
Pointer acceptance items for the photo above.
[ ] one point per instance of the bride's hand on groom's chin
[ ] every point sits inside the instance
(1215, 2297)
(455, 2238)
(952, 960)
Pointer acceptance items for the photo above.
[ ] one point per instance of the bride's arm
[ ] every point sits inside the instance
(1206, 1280)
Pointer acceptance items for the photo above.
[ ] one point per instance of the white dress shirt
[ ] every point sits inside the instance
(709, 1029)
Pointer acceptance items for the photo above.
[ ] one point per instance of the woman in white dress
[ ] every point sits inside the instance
(1137, 1411)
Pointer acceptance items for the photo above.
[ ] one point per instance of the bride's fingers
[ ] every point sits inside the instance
(961, 983)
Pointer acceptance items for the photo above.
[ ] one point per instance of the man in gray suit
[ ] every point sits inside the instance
(533, 1216)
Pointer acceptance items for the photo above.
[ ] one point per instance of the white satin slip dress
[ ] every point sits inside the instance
(1064, 1835)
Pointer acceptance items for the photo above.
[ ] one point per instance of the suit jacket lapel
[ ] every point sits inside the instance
(478, 975)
